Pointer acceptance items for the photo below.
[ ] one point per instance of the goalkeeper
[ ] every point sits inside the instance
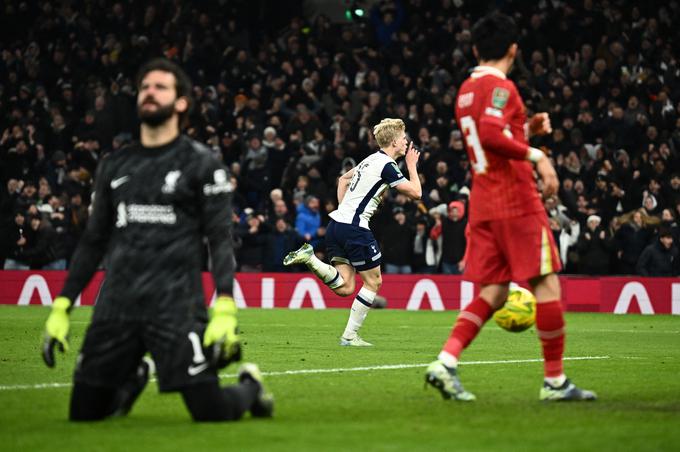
(154, 204)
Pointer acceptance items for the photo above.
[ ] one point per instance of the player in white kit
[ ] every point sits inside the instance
(350, 243)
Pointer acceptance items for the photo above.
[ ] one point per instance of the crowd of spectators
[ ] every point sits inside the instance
(288, 102)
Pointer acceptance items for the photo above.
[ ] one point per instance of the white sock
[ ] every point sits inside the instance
(362, 303)
(556, 382)
(326, 273)
(448, 359)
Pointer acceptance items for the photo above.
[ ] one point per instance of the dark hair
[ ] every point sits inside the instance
(183, 85)
(493, 35)
(665, 231)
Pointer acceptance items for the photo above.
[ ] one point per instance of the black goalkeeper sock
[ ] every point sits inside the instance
(91, 403)
(243, 395)
(209, 402)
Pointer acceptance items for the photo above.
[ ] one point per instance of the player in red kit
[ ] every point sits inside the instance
(510, 238)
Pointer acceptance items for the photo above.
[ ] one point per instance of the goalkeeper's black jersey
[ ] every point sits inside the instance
(152, 210)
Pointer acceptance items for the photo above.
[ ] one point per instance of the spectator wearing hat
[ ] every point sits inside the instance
(452, 230)
(650, 205)
(661, 257)
(397, 243)
(594, 248)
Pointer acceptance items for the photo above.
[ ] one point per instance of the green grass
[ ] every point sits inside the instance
(638, 385)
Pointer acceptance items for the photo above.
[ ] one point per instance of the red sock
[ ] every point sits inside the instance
(550, 328)
(469, 322)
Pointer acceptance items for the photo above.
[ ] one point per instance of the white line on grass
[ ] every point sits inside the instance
(326, 371)
(408, 366)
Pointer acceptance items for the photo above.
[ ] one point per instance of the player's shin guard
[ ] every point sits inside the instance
(469, 322)
(326, 273)
(362, 303)
(550, 329)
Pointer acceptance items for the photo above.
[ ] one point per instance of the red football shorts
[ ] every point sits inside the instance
(512, 249)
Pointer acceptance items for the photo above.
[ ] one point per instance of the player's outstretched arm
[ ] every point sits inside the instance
(411, 188)
(343, 184)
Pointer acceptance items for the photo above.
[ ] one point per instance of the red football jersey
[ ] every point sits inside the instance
(503, 184)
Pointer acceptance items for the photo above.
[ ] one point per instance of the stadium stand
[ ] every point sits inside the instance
(288, 101)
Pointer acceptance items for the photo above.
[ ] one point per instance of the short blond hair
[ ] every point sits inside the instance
(387, 131)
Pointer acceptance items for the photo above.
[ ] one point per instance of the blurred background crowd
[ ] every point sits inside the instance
(287, 95)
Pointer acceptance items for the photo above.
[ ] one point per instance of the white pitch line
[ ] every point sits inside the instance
(328, 371)
(35, 386)
(407, 366)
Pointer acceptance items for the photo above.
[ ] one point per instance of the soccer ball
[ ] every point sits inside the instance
(519, 311)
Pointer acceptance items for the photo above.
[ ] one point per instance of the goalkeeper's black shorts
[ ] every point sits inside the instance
(112, 351)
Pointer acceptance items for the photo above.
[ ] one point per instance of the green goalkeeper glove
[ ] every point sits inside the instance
(221, 332)
(56, 330)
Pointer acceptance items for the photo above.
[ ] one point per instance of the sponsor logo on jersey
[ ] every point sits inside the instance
(221, 185)
(465, 100)
(493, 112)
(171, 182)
(145, 213)
(499, 97)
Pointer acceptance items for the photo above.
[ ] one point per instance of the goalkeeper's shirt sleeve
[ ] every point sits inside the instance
(95, 239)
(215, 194)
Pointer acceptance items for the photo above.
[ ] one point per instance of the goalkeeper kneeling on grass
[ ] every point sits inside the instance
(153, 205)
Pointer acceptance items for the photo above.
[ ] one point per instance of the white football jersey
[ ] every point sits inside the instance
(372, 176)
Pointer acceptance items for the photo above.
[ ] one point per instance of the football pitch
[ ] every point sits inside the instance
(334, 398)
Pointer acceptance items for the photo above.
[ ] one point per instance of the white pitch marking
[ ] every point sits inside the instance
(328, 371)
(408, 366)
